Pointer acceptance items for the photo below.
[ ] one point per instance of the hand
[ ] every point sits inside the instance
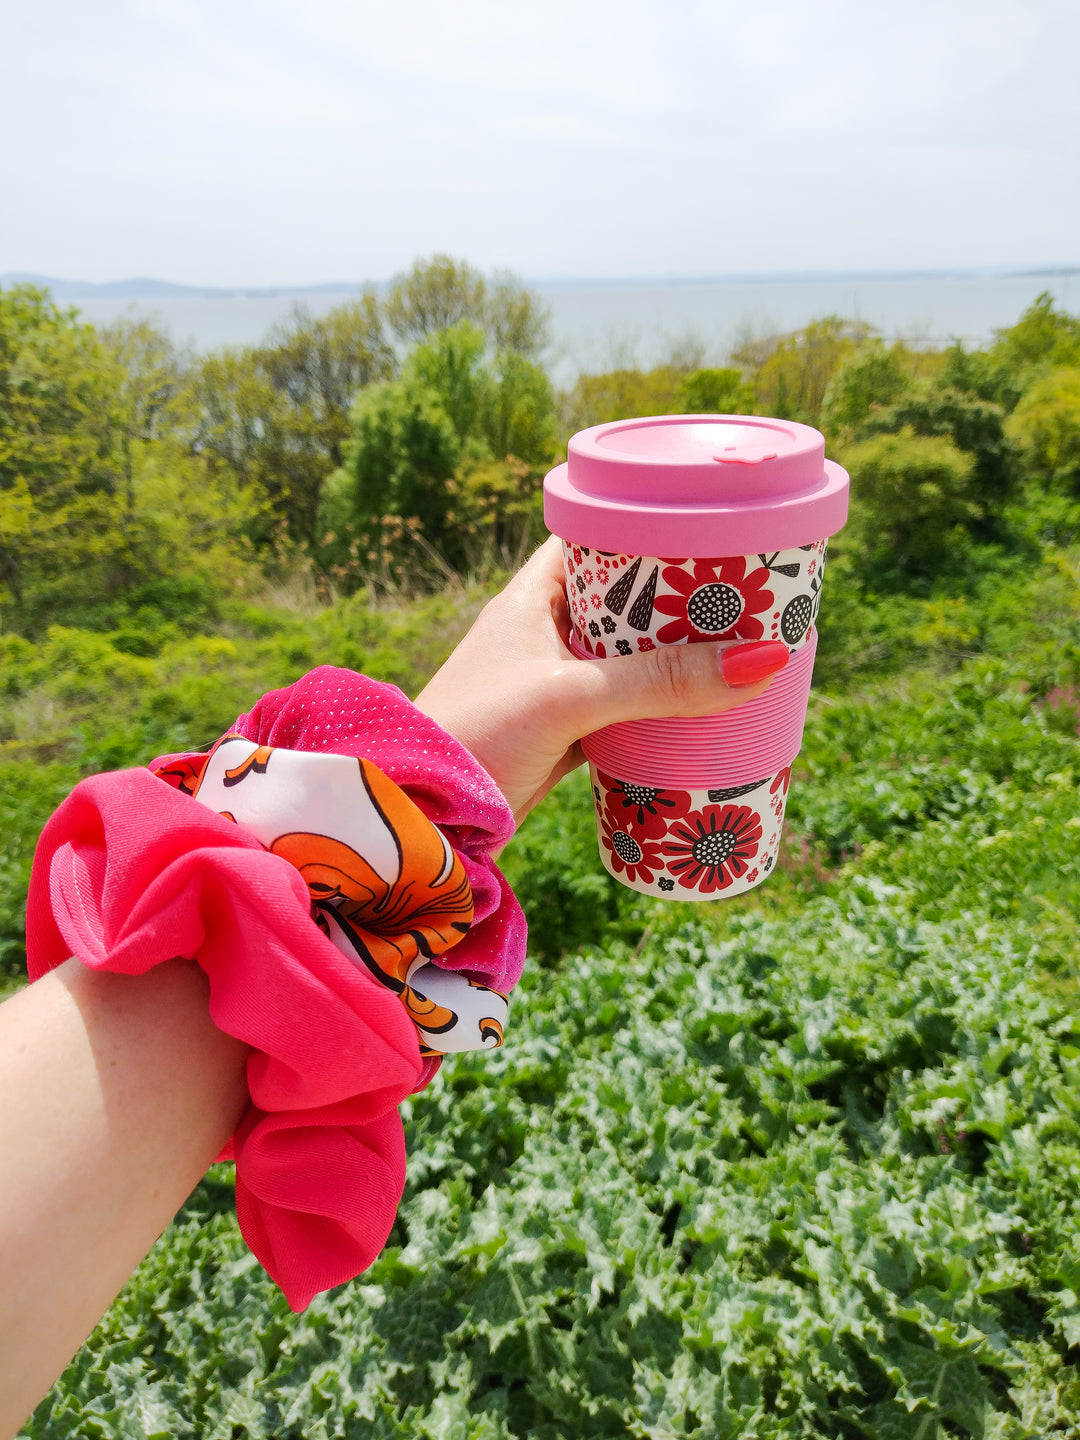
(517, 697)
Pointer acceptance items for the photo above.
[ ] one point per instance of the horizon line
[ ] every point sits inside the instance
(150, 287)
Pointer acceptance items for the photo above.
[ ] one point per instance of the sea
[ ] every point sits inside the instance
(599, 325)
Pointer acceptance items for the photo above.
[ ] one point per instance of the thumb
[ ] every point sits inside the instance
(682, 680)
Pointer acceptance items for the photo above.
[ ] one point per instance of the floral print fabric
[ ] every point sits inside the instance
(385, 885)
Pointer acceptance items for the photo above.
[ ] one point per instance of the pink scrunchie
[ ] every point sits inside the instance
(129, 872)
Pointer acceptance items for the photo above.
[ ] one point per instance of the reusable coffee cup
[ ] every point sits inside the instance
(679, 529)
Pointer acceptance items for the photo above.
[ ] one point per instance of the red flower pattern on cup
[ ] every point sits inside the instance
(636, 856)
(710, 849)
(645, 809)
(644, 643)
(778, 790)
(719, 600)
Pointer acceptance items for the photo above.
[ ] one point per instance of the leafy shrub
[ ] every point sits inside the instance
(714, 392)
(913, 499)
(1046, 424)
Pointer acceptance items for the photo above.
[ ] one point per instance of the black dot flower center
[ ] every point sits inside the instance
(796, 619)
(714, 608)
(639, 795)
(626, 847)
(714, 848)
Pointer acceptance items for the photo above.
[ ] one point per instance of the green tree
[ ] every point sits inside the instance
(914, 499)
(100, 495)
(272, 448)
(392, 491)
(875, 391)
(790, 373)
(320, 363)
(278, 415)
(714, 392)
(433, 295)
(519, 418)
(620, 394)
(974, 425)
(450, 362)
(515, 317)
(59, 465)
(1044, 336)
(498, 408)
(865, 382)
(1046, 426)
(436, 294)
(147, 402)
(975, 372)
(446, 462)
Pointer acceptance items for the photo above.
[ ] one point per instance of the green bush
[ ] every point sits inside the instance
(913, 505)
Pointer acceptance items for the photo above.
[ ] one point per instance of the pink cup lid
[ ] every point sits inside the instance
(696, 485)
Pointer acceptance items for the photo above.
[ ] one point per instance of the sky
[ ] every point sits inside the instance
(269, 142)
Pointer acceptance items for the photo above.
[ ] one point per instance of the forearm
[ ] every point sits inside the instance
(116, 1093)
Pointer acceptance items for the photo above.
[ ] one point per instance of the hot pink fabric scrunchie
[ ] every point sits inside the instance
(130, 872)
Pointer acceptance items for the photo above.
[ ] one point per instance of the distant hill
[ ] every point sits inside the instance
(144, 288)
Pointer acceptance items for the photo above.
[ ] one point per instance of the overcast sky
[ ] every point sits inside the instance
(261, 142)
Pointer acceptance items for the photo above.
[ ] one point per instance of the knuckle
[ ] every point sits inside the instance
(676, 677)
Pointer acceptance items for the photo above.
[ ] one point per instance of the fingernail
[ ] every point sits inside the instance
(745, 664)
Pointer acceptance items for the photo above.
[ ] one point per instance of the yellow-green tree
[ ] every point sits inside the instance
(722, 391)
(99, 493)
(60, 471)
(435, 294)
(913, 502)
(1046, 426)
(621, 394)
(278, 415)
(791, 373)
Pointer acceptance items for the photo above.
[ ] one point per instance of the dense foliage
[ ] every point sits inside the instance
(804, 1163)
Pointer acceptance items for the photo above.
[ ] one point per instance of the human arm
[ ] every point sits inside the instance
(116, 1093)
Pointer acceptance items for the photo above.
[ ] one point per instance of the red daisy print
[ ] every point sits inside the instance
(637, 857)
(710, 849)
(644, 643)
(719, 600)
(645, 809)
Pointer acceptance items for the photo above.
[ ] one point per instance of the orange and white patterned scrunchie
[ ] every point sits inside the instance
(386, 887)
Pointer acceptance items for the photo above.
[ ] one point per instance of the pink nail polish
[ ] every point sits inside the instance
(746, 664)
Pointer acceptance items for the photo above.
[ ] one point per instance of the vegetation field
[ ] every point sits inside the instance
(801, 1164)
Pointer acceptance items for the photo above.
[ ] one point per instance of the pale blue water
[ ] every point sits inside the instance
(596, 326)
